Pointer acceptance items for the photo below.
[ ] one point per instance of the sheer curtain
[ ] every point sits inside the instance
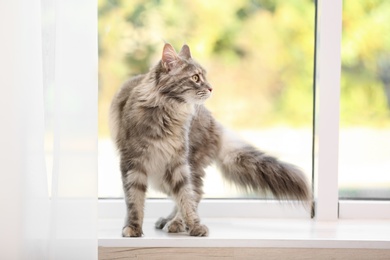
(48, 129)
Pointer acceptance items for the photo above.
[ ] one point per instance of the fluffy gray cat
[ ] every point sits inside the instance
(166, 137)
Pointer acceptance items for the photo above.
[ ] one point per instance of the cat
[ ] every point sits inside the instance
(166, 137)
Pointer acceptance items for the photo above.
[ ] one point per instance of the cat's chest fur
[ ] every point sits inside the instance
(167, 143)
(160, 155)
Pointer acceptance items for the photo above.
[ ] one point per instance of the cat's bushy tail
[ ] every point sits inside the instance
(253, 170)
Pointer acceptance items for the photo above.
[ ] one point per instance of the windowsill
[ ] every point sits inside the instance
(260, 233)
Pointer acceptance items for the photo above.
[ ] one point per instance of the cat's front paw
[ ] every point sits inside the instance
(199, 231)
(131, 231)
(175, 226)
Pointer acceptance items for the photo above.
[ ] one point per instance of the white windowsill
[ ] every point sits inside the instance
(262, 233)
(253, 223)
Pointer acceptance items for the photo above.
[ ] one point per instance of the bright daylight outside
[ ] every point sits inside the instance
(260, 60)
(364, 163)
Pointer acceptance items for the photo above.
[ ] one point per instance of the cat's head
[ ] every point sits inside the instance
(180, 78)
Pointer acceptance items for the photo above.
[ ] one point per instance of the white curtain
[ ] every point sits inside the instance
(48, 129)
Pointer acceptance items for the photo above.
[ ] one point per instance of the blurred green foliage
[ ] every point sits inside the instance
(259, 55)
(365, 80)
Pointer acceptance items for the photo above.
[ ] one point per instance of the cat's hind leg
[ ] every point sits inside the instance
(176, 224)
(161, 222)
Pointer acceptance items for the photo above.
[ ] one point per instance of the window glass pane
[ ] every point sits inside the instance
(365, 101)
(259, 58)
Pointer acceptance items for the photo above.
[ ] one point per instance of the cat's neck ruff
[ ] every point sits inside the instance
(151, 97)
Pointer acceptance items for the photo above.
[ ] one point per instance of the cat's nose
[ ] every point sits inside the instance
(210, 89)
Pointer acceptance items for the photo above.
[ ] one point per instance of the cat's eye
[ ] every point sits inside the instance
(195, 78)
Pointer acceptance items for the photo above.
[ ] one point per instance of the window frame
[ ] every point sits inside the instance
(328, 206)
(328, 74)
(327, 85)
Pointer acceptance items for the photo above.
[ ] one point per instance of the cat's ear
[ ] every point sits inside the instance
(169, 57)
(185, 52)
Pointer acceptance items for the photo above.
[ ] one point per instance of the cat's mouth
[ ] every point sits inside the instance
(204, 94)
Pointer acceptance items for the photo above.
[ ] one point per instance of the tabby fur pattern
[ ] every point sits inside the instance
(166, 138)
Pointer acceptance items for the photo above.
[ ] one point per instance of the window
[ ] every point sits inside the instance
(259, 56)
(365, 101)
(287, 108)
